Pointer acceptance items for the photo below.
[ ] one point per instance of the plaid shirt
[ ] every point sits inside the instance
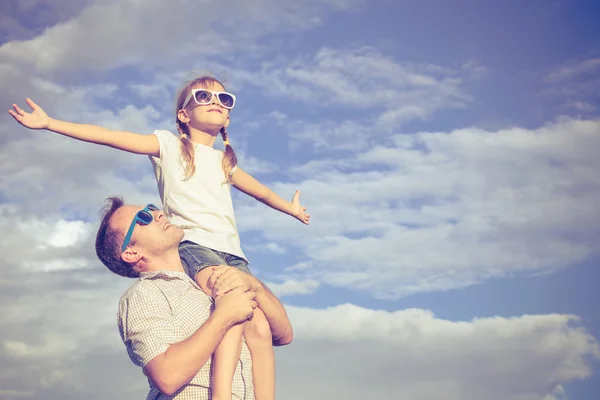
(166, 307)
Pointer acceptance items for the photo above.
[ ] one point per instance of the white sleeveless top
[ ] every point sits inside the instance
(202, 204)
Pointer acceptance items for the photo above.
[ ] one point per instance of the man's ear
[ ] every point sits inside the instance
(183, 116)
(130, 256)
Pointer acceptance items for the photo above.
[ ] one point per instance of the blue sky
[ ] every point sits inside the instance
(447, 152)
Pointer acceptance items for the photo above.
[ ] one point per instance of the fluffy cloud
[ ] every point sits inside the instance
(141, 30)
(435, 211)
(293, 287)
(573, 70)
(575, 84)
(420, 356)
(386, 92)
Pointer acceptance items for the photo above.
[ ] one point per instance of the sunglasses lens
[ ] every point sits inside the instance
(152, 207)
(144, 217)
(203, 96)
(226, 99)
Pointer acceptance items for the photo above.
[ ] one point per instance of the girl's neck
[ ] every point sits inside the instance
(203, 138)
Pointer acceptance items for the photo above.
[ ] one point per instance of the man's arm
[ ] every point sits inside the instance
(180, 362)
(281, 327)
(225, 279)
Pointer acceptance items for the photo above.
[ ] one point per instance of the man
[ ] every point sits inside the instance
(165, 319)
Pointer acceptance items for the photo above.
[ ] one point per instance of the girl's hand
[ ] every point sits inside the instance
(37, 119)
(298, 211)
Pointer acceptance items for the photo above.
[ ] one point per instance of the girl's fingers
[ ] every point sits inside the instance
(15, 115)
(20, 111)
(31, 103)
(296, 196)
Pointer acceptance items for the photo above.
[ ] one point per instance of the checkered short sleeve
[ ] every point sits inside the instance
(146, 323)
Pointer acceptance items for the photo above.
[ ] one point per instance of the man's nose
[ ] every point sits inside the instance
(158, 215)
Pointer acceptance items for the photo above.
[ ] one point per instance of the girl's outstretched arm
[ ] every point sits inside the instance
(128, 141)
(247, 184)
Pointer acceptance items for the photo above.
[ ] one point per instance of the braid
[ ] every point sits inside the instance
(229, 158)
(187, 151)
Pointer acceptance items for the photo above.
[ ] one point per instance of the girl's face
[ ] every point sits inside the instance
(208, 118)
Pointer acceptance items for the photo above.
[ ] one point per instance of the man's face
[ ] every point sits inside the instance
(154, 238)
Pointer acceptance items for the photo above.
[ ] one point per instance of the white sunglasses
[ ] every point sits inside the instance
(204, 97)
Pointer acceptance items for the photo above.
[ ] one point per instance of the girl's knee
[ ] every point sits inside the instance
(258, 328)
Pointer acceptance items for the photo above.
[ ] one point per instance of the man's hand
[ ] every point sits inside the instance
(235, 306)
(225, 278)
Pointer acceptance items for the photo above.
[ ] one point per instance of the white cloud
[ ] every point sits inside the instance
(575, 85)
(386, 93)
(291, 287)
(582, 106)
(53, 347)
(328, 136)
(380, 93)
(19, 394)
(68, 233)
(270, 247)
(437, 211)
(47, 244)
(574, 70)
(151, 29)
(366, 353)
(475, 69)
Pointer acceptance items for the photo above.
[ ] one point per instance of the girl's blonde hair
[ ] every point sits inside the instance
(187, 147)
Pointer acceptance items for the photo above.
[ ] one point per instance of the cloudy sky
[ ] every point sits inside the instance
(447, 152)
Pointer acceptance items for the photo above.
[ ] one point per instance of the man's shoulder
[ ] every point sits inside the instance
(141, 288)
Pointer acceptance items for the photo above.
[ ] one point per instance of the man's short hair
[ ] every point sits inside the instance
(109, 241)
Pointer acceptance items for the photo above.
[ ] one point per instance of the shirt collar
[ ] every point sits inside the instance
(166, 275)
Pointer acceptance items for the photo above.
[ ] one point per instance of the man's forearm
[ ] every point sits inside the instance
(182, 361)
(281, 328)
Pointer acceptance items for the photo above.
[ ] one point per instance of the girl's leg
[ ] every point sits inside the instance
(224, 361)
(227, 354)
(260, 343)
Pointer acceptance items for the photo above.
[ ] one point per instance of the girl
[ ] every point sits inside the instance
(194, 185)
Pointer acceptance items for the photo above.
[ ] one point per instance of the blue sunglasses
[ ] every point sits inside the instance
(143, 217)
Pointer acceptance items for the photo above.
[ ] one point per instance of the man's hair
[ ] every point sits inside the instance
(109, 241)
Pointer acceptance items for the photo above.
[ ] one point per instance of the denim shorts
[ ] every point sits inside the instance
(196, 257)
